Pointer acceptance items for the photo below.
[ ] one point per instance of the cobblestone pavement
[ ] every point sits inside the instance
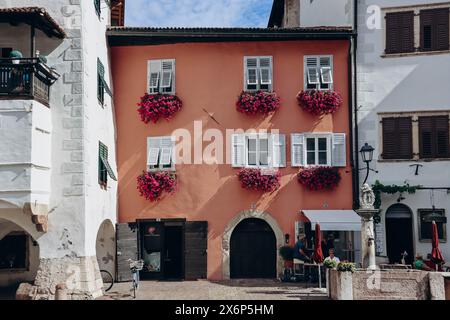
(220, 290)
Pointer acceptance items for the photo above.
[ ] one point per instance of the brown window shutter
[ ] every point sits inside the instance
(400, 32)
(434, 137)
(397, 138)
(434, 29)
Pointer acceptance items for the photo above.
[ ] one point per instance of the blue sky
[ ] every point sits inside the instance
(197, 13)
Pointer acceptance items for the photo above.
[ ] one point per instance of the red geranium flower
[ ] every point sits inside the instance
(155, 106)
(320, 102)
(320, 178)
(258, 102)
(151, 185)
(253, 179)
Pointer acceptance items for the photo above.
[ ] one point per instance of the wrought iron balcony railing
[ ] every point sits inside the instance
(26, 78)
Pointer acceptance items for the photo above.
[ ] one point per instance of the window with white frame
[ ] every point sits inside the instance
(160, 153)
(318, 149)
(161, 76)
(318, 72)
(258, 73)
(259, 150)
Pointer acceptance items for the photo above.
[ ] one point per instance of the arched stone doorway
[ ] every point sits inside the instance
(106, 247)
(253, 250)
(19, 255)
(399, 233)
(233, 224)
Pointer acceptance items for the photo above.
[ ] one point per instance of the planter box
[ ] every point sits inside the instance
(340, 285)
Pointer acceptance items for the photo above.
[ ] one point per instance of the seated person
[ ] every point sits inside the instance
(299, 250)
(419, 264)
(332, 257)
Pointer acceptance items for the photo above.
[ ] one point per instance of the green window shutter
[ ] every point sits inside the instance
(106, 167)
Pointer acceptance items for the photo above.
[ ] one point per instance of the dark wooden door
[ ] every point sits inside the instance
(253, 250)
(195, 250)
(127, 248)
(399, 233)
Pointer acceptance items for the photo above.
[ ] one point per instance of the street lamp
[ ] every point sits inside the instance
(367, 156)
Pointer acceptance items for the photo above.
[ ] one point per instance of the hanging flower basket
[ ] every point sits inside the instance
(320, 102)
(151, 185)
(253, 179)
(320, 178)
(262, 102)
(155, 106)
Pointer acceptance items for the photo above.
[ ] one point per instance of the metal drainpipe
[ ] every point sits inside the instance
(355, 110)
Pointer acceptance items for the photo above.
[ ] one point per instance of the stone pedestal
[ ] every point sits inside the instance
(80, 277)
(367, 238)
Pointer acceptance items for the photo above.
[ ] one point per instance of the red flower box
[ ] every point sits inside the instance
(320, 178)
(151, 185)
(320, 102)
(260, 101)
(155, 106)
(253, 179)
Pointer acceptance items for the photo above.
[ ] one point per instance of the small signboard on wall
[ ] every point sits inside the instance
(379, 245)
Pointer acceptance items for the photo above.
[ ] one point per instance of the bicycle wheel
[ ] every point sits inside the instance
(108, 280)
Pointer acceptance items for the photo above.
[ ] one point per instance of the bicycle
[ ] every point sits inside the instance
(135, 267)
(108, 280)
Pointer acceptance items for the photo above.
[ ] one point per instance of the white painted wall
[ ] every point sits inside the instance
(317, 13)
(77, 123)
(415, 83)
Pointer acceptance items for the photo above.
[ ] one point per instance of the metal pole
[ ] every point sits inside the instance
(33, 42)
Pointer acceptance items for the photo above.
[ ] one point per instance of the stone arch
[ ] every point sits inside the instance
(24, 251)
(229, 231)
(105, 246)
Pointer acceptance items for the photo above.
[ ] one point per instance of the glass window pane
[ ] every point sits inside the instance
(322, 144)
(252, 145)
(252, 158)
(264, 145)
(264, 158)
(311, 144)
(322, 158)
(311, 158)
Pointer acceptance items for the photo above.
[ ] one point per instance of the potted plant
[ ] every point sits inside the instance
(319, 102)
(16, 55)
(319, 178)
(254, 179)
(155, 106)
(151, 185)
(263, 102)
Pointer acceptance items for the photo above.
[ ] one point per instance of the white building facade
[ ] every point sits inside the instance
(402, 109)
(57, 147)
(403, 112)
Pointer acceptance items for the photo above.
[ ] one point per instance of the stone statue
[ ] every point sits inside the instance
(367, 198)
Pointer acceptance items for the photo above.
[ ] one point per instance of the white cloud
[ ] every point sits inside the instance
(198, 13)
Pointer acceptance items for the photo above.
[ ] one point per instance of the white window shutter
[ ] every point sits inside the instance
(278, 150)
(153, 75)
(313, 75)
(265, 76)
(152, 151)
(266, 70)
(252, 76)
(168, 74)
(339, 150)
(297, 150)
(238, 150)
(166, 156)
(251, 71)
(326, 75)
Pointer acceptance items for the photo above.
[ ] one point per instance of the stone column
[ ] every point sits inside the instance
(367, 212)
(367, 238)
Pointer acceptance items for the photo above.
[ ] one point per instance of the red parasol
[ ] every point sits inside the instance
(436, 255)
(318, 254)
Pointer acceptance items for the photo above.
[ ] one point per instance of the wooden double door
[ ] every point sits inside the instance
(253, 250)
(172, 249)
